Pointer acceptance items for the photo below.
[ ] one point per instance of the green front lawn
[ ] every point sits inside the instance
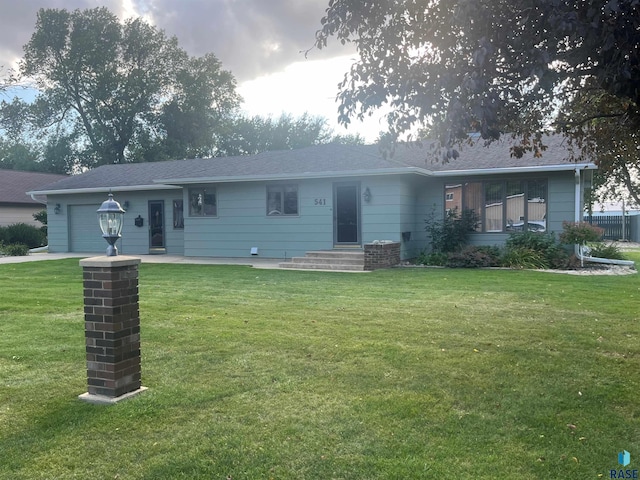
(395, 374)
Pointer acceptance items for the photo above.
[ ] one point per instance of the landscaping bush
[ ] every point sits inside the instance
(452, 232)
(474, 257)
(580, 233)
(606, 250)
(14, 250)
(41, 217)
(432, 259)
(540, 242)
(549, 253)
(524, 257)
(21, 233)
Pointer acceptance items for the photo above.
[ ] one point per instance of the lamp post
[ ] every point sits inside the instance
(111, 316)
(110, 217)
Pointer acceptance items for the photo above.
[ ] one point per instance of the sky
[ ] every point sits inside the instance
(262, 42)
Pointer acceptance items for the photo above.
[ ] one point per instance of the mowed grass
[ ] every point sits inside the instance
(395, 374)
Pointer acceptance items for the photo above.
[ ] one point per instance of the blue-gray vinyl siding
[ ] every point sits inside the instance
(76, 228)
(399, 204)
(560, 202)
(242, 223)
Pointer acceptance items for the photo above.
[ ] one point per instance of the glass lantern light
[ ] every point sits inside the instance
(110, 217)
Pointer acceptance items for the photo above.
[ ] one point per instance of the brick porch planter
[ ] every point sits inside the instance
(381, 255)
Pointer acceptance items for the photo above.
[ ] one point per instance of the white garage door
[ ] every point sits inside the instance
(84, 232)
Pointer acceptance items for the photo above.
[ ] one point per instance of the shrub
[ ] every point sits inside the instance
(473, 257)
(493, 251)
(580, 233)
(14, 250)
(452, 232)
(550, 254)
(432, 259)
(523, 257)
(21, 233)
(606, 250)
(537, 241)
(41, 217)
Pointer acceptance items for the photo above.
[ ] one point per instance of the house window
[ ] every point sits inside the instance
(178, 214)
(282, 200)
(493, 207)
(202, 202)
(449, 197)
(503, 206)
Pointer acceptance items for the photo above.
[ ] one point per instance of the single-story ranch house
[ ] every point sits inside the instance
(282, 204)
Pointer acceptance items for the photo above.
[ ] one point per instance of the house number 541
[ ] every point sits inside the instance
(320, 201)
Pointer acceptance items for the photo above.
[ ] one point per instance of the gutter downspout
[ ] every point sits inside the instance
(583, 253)
(577, 217)
(578, 196)
(33, 197)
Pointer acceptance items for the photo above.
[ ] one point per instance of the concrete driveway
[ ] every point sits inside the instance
(254, 262)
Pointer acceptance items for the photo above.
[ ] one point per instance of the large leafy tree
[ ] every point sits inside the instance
(600, 129)
(494, 66)
(114, 92)
(203, 105)
(251, 135)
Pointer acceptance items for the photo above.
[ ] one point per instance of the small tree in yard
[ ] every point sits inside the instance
(452, 232)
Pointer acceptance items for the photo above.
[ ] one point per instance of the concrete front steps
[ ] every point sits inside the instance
(328, 260)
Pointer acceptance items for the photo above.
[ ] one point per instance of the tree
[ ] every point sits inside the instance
(251, 135)
(203, 104)
(601, 130)
(107, 87)
(488, 66)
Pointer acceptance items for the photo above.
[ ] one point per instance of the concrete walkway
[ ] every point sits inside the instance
(253, 262)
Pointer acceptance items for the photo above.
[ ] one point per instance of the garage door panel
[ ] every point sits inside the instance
(84, 232)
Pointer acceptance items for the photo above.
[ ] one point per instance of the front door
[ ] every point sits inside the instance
(156, 225)
(346, 214)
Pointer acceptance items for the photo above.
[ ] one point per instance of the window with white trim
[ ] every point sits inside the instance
(202, 202)
(282, 200)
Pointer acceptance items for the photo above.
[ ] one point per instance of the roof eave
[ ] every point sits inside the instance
(173, 183)
(293, 176)
(508, 170)
(129, 188)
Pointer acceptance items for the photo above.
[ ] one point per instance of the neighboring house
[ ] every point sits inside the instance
(16, 206)
(283, 204)
(614, 208)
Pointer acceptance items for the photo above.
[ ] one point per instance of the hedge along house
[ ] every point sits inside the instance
(285, 203)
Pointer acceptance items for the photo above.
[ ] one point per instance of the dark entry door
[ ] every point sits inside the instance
(346, 217)
(156, 224)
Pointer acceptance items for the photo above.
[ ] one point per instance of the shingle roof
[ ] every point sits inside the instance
(14, 184)
(322, 160)
(478, 156)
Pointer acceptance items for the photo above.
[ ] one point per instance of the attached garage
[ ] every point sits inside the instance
(84, 233)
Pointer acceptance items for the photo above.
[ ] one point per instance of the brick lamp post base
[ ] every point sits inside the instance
(112, 328)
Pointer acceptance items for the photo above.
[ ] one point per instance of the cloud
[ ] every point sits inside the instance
(259, 41)
(250, 37)
(18, 21)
